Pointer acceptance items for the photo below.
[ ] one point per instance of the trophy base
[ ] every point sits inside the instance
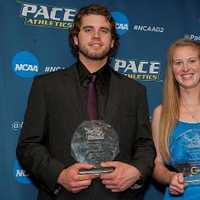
(98, 170)
(191, 173)
(191, 180)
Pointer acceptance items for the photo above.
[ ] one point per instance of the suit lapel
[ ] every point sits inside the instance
(71, 84)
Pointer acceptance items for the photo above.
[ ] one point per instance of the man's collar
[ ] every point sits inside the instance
(103, 74)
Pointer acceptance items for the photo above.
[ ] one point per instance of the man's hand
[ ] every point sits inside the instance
(70, 179)
(123, 177)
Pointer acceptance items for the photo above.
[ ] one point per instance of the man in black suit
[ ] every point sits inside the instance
(57, 105)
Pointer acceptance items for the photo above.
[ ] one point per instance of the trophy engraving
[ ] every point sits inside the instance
(94, 142)
(188, 161)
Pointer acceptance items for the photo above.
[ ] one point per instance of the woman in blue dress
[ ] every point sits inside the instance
(176, 124)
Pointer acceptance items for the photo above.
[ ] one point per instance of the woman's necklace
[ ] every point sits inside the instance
(193, 114)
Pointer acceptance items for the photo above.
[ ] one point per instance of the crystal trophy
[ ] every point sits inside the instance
(94, 142)
(191, 172)
(188, 156)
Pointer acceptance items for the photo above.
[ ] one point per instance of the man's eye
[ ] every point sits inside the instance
(105, 30)
(87, 30)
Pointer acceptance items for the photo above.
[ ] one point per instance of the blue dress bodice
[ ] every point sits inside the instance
(184, 146)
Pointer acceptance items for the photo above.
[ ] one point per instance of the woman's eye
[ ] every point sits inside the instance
(192, 61)
(177, 62)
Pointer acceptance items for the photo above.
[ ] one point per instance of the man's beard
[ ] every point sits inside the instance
(95, 55)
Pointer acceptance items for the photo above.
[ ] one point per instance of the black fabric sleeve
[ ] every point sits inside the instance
(144, 150)
(31, 149)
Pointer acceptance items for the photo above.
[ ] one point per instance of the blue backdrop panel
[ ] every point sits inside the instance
(34, 40)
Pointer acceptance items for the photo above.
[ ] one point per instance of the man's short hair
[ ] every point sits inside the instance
(93, 9)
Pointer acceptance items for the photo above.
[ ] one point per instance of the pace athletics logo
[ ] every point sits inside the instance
(47, 16)
(25, 64)
(145, 70)
(20, 174)
(122, 22)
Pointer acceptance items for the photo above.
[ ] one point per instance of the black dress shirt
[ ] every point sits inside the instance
(102, 86)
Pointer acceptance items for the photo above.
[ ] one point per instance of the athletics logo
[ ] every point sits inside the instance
(42, 15)
(138, 69)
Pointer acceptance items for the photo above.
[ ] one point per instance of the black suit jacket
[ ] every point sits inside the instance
(53, 113)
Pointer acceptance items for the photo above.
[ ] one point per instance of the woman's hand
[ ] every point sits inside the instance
(177, 184)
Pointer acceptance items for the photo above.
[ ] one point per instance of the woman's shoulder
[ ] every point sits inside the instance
(156, 119)
(157, 111)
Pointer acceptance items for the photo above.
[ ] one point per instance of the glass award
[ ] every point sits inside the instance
(191, 172)
(188, 155)
(94, 142)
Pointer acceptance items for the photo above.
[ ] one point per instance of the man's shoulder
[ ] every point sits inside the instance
(125, 80)
(52, 76)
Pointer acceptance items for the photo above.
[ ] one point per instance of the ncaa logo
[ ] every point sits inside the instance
(25, 64)
(20, 174)
(121, 22)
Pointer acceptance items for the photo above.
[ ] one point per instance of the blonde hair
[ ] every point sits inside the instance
(171, 98)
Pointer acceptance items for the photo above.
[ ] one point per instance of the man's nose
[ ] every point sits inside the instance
(96, 34)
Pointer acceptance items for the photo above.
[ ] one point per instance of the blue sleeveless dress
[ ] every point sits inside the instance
(185, 148)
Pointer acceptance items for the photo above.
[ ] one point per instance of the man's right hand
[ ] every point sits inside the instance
(70, 179)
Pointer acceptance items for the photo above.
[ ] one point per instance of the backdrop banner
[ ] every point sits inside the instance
(34, 40)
